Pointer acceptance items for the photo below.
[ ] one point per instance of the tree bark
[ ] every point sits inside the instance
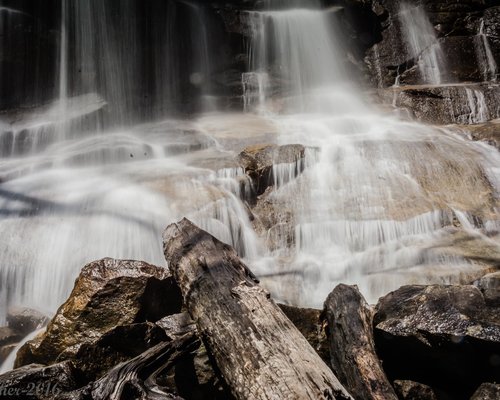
(352, 348)
(137, 378)
(259, 352)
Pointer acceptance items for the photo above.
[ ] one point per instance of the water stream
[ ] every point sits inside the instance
(374, 205)
(423, 44)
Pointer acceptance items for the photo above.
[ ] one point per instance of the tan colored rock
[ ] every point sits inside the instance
(108, 293)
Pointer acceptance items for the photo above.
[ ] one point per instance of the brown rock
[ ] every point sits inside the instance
(108, 293)
(449, 336)
(259, 160)
(409, 390)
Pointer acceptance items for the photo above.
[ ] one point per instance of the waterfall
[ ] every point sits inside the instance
(119, 148)
(103, 168)
(485, 55)
(422, 43)
(283, 44)
(367, 209)
(477, 106)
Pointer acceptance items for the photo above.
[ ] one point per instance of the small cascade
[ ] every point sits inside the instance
(374, 206)
(485, 55)
(255, 85)
(477, 105)
(422, 44)
(23, 133)
(281, 51)
(8, 364)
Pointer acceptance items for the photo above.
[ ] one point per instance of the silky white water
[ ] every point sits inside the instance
(422, 43)
(377, 201)
(485, 54)
(371, 208)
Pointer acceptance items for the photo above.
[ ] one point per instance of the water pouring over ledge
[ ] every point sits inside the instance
(372, 208)
(369, 208)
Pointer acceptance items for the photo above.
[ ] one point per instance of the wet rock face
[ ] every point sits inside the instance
(449, 336)
(108, 293)
(453, 104)
(274, 219)
(457, 25)
(8, 341)
(21, 321)
(258, 162)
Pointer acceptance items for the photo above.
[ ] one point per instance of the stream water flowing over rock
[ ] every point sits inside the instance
(138, 115)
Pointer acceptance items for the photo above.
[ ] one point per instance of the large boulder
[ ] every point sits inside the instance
(108, 293)
(449, 336)
(8, 341)
(8, 335)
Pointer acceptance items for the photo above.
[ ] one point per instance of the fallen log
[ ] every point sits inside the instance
(258, 350)
(352, 348)
(136, 378)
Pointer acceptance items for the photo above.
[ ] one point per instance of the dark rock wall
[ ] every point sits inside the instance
(457, 26)
(160, 42)
(28, 50)
(140, 56)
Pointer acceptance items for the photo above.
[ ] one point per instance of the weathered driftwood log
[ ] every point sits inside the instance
(142, 377)
(352, 348)
(137, 378)
(258, 350)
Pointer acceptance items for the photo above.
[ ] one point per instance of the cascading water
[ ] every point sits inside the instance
(372, 208)
(282, 41)
(422, 43)
(102, 169)
(485, 55)
(89, 175)
(477, 106)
